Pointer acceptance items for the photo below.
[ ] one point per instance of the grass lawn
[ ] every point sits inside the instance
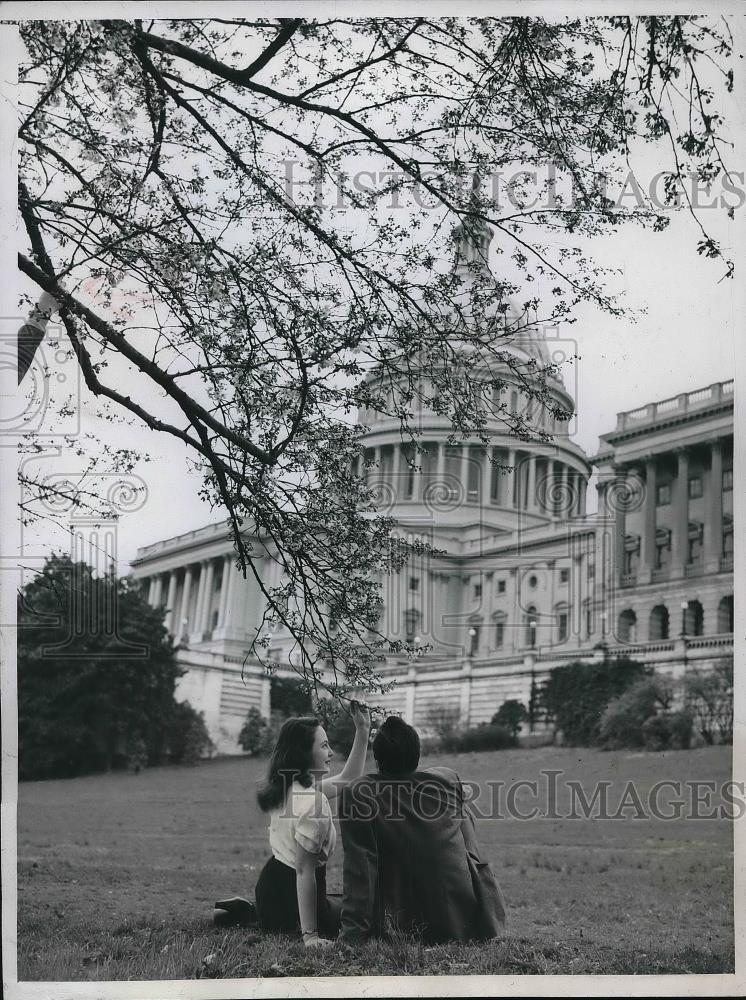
(117, 875)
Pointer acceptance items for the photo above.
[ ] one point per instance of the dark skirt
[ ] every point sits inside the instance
(277, 901)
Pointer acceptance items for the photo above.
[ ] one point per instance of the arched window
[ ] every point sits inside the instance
(725, 614)
(627, 626)
(500, 620)
(693, 619)
(659, 623)
(529, 620)
(562, 619)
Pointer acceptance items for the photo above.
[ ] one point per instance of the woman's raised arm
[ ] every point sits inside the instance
(355, 765)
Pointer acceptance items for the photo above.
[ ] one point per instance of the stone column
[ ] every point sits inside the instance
(195, 627)
(647, 556)
(396, 472)
(495, 476)
(207, 600)
(565, 490)
(465, 470)
(579, 494)
(158, 590)
(170, 602)
(440, 473)
(151, 591)
(714, 527)
(680, 514)
(186, 594)
(225, 582)
(376, 477)
(531, 498)
(619, 524)
(551, 480)
(512, 487)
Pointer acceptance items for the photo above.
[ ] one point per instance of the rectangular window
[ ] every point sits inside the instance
(564, 575)
(477, 591)
(728, 543)
(414, 583)
(662, 556)
(591, 570)
(562, 626)
(695, 551)
(501, 586)
(663, 495)
(695, 487)
(588, 622)
(499, 634)
(727, 479)
(631, 561)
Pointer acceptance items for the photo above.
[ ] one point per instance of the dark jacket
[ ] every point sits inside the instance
(405, 859)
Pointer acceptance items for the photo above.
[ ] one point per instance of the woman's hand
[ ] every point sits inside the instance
(360, 716)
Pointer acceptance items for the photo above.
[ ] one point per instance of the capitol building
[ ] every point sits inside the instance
(525, 578)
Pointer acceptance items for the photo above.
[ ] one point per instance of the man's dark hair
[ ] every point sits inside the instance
(396, 747)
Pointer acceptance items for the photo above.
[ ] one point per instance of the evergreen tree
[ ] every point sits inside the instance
(96, 673)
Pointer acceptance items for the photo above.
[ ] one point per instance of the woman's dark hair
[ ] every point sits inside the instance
(396, 747)
(290, 761)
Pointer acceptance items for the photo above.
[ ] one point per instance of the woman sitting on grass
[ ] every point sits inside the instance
(291, 890)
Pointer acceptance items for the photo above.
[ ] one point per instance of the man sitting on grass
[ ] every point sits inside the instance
(411, 859)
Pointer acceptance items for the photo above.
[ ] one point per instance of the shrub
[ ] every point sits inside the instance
(655, 732)
(443, 721)
(491, 737)
(667, 730)
(575, 695)
(189, 740)
(681, 727)
(623, 719)
(253, 735)
(709, 700)
(511, 714)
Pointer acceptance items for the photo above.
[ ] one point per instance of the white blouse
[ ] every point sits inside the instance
(305, 819)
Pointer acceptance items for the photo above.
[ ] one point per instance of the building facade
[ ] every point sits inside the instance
(525, 578)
